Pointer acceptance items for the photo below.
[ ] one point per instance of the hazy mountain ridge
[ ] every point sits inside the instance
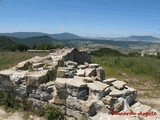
(71, 36)
(65, 36)
(23, 35)
(39, 40)
(132, 38)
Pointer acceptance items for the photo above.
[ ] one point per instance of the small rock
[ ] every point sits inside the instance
(37, 65)
(71, 63)
(119, 106)
(108, 100)
(80, 73)
(23, 65)
(86, 64)
(82, 67)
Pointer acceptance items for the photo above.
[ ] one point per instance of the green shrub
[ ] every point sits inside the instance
(6, 99)
(134, 54)
(53, 113)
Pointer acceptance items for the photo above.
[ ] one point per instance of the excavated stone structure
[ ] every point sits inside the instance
(67, 80)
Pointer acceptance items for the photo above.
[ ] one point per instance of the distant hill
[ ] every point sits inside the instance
(130, 38)
(147, 38)
(38, 40)
(22, 35)
(65, 36)
(6, 43)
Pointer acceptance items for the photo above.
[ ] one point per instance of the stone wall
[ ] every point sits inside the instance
(66, 79)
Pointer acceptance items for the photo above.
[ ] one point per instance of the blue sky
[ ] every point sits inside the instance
(94, 18)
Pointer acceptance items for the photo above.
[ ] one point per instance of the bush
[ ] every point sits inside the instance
(106, 52)
(6, 99)
(46, 46)
(134, 54)
(19, 47)
(53, 113)
(10, 102)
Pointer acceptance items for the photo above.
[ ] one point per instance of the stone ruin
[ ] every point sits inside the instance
(67, 80)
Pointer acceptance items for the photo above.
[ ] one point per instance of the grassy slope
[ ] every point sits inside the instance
(9, 59)
(142, 66)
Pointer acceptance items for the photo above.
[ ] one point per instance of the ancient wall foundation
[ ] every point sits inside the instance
(66, 79)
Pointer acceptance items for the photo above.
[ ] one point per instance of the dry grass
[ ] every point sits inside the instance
(9, 59)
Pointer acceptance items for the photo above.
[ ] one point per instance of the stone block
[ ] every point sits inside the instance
(100, 73)
(89, 72)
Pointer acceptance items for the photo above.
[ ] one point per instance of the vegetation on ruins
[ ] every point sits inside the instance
(10, 103)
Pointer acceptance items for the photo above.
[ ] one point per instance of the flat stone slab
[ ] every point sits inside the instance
(93, 65)
(76, 82)
(82, 66)
(118, 84)
(97, 86)
(116, 93)
(109, 80)
(63, 80)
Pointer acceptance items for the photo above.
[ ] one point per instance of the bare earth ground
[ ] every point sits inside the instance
(17, 116)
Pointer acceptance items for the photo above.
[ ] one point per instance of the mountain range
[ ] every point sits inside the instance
(23, 35)
(9, 40)
(71, 36)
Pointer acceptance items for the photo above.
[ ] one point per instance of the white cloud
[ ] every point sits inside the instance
(61, 28)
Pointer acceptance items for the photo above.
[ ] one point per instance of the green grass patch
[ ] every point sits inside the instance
(141, 66)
